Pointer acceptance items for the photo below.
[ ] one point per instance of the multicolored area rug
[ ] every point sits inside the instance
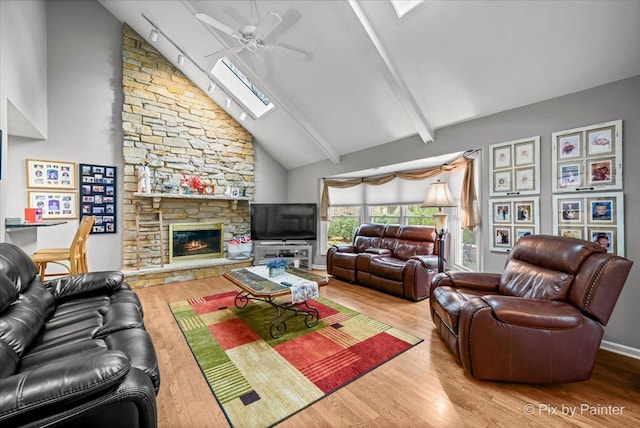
(258, 380)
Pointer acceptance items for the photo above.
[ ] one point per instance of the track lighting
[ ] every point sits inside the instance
(211, 88)
(243, 115)
(154, 35)
(180, 59)
(227, 102)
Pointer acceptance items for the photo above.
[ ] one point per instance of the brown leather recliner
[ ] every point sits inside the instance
(396, 259)
(541, 321)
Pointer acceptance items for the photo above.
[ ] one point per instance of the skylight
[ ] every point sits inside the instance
(243, 90)
(402, 7)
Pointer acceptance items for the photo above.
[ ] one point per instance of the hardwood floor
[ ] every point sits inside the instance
(423, 387)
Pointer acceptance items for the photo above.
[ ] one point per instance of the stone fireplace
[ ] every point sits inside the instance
(189, 241)
(181, 132)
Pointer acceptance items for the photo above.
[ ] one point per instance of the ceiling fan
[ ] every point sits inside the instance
(256, 38)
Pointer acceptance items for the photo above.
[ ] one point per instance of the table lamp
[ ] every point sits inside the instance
(439, 196)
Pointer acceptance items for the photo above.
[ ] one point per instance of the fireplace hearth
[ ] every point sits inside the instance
(188, 241)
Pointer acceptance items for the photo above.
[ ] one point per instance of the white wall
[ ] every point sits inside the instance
(270, 177)
(84, 51)
(618, 100)
(23, 80)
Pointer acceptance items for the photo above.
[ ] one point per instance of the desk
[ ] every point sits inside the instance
(25, 235)
(9, 227)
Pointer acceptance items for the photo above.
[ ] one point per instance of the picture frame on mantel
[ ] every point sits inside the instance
(515, 167)
(587, 158)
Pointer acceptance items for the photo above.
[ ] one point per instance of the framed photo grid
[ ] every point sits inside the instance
(48, 174)
(515, 167)
(511, 219)
(55, 204)
(588, 158)
(98, 196)
(596, 217)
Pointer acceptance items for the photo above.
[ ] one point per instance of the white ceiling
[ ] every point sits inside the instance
(375, 78)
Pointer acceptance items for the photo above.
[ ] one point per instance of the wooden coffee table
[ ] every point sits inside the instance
(254, 286)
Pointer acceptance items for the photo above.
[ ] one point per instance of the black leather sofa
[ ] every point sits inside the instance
(73, 351)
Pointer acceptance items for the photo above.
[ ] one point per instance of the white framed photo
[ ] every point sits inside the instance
(588, 158)
(515, 167)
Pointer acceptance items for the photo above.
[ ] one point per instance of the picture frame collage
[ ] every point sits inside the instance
(99, 196)
(510, 219)
(515, 172)
(588, 161)
(515, 167)
(594, 216)
(52, 187)
(588, 158)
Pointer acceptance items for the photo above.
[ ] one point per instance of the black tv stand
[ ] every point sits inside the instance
(299, 252)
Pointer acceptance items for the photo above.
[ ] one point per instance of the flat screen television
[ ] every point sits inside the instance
(284, 222)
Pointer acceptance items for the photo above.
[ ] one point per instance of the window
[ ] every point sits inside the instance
(342, 225)
(397, 202)
(384, 214)
(243, 90)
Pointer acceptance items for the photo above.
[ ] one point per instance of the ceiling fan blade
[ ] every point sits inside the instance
(289, 18)
(308, 55)
(224, 52)
(268, 24)
(217, 25)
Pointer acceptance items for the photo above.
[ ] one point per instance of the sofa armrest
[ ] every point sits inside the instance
(60, 383)
(343, 248)
(428, 261)
(378, 251)
(84, 283)
(474, 280)
(534, 313)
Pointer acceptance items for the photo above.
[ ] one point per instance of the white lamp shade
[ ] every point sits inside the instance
(439, 196)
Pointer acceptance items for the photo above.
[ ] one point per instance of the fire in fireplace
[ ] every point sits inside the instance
(189, 241)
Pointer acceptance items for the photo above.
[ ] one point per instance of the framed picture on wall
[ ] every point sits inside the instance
(589, 216)
(54, 204)
(98, 191)
(512, 219)
(587, 158)
(515, 167)
(48, 174)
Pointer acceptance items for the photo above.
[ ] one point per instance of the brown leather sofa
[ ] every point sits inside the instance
(541, 321)
(396, 259)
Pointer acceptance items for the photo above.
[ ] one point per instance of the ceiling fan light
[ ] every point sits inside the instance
(180, 59)
(153, 36)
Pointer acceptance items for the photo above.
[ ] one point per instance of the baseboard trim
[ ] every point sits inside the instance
(625, 350)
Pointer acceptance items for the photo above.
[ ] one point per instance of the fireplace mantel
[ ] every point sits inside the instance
(157, 198)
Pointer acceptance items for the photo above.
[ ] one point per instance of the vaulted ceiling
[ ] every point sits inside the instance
(371, 78)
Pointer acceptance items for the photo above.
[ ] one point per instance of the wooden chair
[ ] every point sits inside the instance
(73, 259)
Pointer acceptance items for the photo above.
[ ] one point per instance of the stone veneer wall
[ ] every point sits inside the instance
(175, 125)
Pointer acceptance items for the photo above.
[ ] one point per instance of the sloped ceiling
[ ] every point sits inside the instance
(375, 78)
